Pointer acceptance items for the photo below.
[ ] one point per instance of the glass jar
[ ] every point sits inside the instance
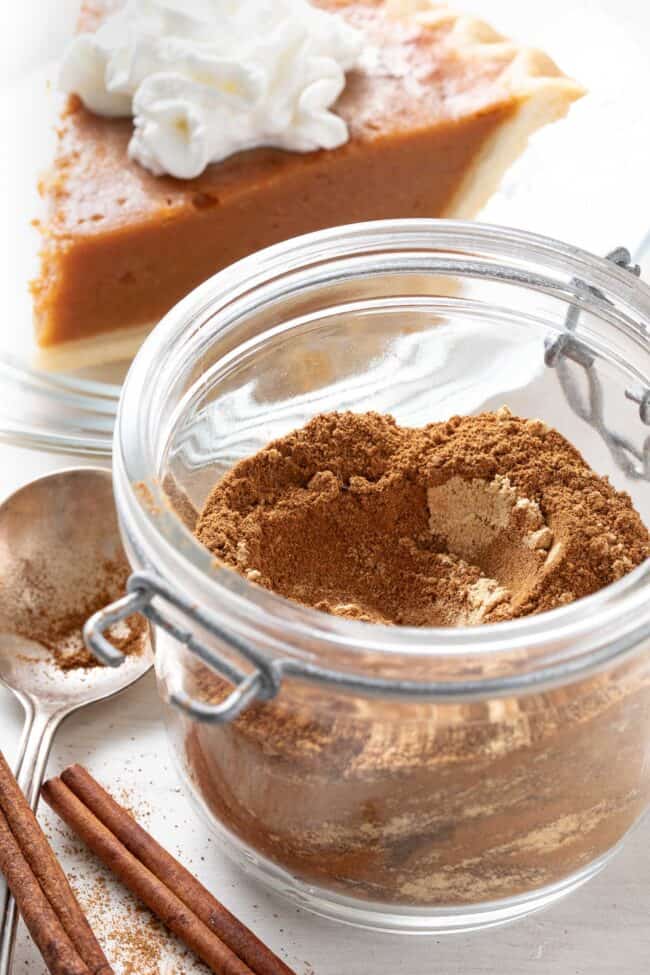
(399, 778)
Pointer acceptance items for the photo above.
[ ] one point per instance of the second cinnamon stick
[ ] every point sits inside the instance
(141, 881)
(173, 874)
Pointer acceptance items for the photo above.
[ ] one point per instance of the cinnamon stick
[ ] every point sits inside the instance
(59, 954)
(173, 874)
(142, 882)
(48, 872)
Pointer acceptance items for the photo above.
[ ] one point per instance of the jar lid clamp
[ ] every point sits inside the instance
(567, 348)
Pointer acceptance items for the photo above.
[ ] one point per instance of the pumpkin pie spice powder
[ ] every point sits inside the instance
(59, 629)
(479, 519)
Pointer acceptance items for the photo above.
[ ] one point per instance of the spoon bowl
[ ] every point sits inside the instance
(61, 559)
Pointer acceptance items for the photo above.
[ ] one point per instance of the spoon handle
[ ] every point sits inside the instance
(34, 753)
(24, 738)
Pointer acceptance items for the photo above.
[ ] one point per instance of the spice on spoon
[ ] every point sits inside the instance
(60, 630)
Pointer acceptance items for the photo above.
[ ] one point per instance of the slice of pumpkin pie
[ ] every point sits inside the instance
(197, 132)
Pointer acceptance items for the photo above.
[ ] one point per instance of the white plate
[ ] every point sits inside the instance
(583, 180)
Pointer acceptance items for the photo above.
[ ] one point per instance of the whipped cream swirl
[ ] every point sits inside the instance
(207, 78)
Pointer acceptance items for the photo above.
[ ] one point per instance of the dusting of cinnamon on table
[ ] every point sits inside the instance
(60, 630)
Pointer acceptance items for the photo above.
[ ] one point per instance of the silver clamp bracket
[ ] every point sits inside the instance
(260, 684)
(567, 348)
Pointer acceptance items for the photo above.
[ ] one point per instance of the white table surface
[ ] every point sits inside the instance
(605, 927)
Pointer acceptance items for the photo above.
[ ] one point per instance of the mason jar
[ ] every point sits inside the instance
(404, 779)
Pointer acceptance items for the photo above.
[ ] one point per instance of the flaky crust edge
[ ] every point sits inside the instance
(541, 91)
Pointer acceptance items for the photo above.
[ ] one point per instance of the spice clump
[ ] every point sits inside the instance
(51, 616)
(475, 520)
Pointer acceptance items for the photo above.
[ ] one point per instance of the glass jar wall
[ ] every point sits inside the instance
(401, 810)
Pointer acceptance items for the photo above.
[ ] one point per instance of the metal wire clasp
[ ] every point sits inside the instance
(261, 683)
(568, 348)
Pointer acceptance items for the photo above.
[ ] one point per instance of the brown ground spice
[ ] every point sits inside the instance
(69, 651)
(41, 616)
(479, 519)
(411, 802)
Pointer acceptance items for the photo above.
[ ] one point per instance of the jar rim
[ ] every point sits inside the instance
(578, 630)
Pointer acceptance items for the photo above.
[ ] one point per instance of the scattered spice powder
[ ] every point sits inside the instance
(54, 619)
(135, 941)
(69, 651)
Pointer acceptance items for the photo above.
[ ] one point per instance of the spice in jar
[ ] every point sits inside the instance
(477, 520)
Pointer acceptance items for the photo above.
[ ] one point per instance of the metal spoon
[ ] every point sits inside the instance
(60, 557)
